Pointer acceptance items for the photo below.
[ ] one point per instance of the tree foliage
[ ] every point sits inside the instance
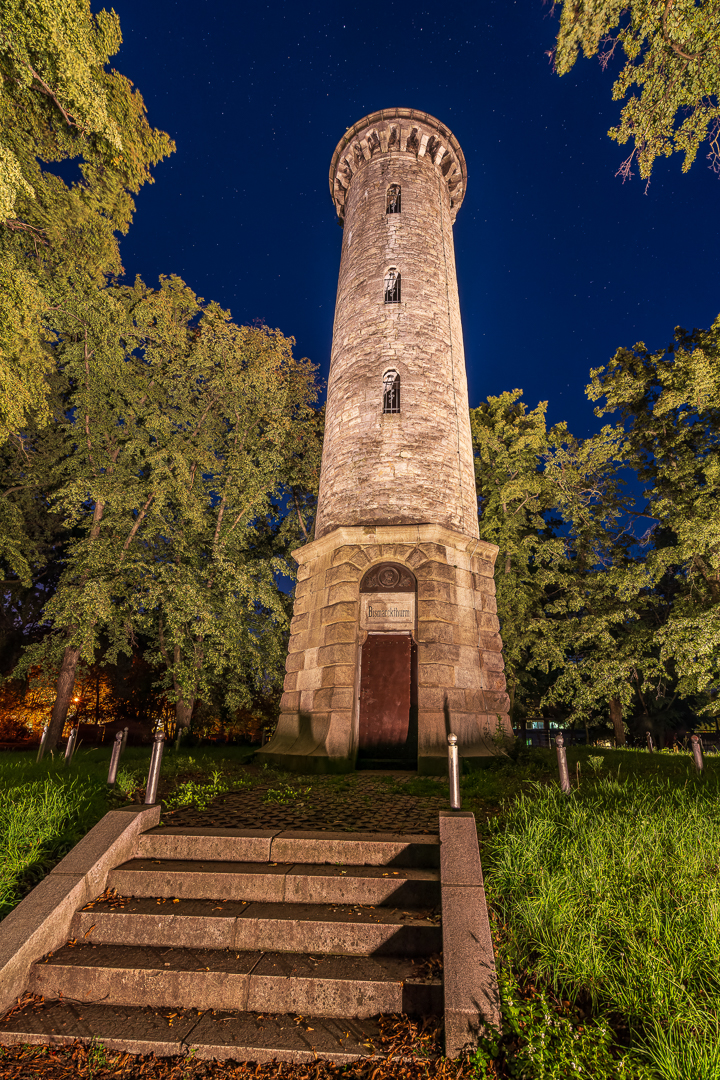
(672, 63)
(174, 435)
(608, 576)
(59, 103)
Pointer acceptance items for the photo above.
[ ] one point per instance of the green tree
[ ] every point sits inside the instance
(59, 102)
(510, 446)
(668, 402)
(672, 57)
(177, 430)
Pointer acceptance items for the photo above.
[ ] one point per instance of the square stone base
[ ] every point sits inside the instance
(460, 668)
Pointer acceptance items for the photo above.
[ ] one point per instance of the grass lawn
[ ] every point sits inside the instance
(604, 903)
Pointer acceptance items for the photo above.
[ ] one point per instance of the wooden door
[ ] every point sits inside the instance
(385, 694)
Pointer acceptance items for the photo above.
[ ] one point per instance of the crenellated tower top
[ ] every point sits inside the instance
(398, 130)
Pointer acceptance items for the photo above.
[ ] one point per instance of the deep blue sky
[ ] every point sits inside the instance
(558, 262)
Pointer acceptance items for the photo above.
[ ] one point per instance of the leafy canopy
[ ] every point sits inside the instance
(672, 61)
(59, 103)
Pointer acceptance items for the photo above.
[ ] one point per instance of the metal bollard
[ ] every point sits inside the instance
(41, 747)
(70, 748)
(154, 773)
(648, 739)
(562, 763)
(124, 741)
(115, 759)
(454, 772)
(697, 753)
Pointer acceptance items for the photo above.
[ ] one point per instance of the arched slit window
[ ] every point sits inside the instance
(391, 392)
(392, 286)
(392, 205)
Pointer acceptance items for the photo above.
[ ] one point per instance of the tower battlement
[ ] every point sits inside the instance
(405, 131)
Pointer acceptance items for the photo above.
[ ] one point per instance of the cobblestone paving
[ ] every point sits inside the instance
(365, 801)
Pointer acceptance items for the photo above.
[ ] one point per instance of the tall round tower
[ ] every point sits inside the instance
(397, 179)
(394, 639)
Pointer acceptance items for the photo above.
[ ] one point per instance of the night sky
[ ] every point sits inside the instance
(558, 261)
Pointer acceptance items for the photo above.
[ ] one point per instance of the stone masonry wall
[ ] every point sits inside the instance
(457, 634)
(415, 466)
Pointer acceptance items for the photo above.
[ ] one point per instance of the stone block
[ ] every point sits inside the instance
(342, 590)
(346, 571)
(459, 851)
(307, 679)
(344, 611)
(416, 558)
(436, 675)
(290, 701)
(302, 605)
(487, 621)
(436, 611)
(472, 999)
(339, 675)
(437, 590)
(475, 700)
(429, 632)
(492, 661)
(439, 653)
(431, 697)
(490, 642)
(336, 633)
(291, 679)
(299, 622)
(467, 635)
(304, 588)
(294, 662)
(435, 551)
(334, 697)
(432, 570)
(344, 553)
(341, 653)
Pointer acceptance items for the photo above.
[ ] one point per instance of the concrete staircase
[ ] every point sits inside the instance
(253, 946)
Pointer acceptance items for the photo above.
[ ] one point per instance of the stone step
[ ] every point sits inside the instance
(225, 979)
(290, 846)
(242, 1036)
(353, 930)
(299, 883)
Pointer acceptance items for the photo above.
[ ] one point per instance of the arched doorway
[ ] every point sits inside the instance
(387, 734)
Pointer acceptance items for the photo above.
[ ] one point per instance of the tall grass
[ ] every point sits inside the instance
(612, 895)
(40, 820)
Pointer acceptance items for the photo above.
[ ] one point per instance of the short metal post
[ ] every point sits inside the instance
(70, 748)
(124, 741)
(648, 739)
(454, 772)
(155, 763)
(697, 753)
(115, 759)
(562, 763)
(41, 747)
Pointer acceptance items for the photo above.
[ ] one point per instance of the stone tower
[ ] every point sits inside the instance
(395, 633)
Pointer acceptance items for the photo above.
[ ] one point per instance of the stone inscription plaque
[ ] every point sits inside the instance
(387, 611)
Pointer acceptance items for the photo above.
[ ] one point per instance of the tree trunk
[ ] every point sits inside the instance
(616, 716)
(183, 712)
(64, 692)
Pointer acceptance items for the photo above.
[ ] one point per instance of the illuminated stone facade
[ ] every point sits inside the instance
(397, 484)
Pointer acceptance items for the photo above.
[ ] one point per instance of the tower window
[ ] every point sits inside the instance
(392, 286)
(391, 392)
(392, 205)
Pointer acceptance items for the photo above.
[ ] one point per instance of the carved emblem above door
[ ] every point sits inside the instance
(388, 577)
